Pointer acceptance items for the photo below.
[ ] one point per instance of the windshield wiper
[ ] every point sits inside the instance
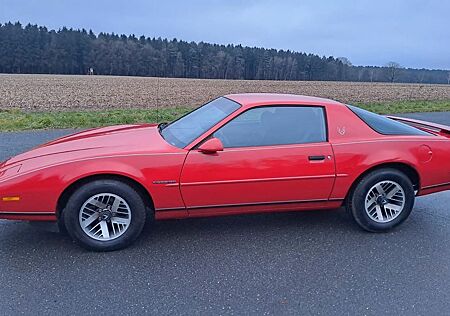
(162, 126)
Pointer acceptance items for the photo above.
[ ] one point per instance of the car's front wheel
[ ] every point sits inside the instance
(381, 200)
(105, 215)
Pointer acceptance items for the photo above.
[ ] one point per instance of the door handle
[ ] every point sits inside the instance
(316, 158)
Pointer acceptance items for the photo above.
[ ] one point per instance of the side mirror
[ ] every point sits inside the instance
(211, 146)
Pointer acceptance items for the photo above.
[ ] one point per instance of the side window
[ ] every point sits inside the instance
(274, 125)
(384, 125)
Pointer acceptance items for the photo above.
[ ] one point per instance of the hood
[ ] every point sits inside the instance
(105, 141)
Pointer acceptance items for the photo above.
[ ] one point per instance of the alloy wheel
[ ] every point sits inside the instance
(385, 201)
(105, 216)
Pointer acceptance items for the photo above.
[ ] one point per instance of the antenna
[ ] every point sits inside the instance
(157, 100)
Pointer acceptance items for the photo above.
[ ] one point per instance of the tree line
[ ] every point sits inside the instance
(36, 49)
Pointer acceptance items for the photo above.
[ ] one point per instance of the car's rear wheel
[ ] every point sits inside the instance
(381, 200)
(105, 215)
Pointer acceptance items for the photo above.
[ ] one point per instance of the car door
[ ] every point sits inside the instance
(272, 155)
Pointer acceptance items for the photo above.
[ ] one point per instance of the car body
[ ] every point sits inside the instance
(176, 179)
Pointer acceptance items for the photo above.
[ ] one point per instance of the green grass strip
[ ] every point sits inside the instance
(14, 120)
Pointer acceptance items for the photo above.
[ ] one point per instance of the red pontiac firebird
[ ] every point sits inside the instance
(240, 153)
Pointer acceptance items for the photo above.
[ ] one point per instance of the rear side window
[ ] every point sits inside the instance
(274, 125)
(384, 125)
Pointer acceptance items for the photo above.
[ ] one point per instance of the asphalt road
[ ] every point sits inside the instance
(291, 263)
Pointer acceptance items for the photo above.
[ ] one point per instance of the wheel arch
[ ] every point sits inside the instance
(405, 168)
(142, 191)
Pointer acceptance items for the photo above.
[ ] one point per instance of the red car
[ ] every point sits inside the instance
(240, 153)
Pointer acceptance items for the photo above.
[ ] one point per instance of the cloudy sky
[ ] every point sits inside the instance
(415, 33)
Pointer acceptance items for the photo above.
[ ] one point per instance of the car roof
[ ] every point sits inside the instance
(253, 99)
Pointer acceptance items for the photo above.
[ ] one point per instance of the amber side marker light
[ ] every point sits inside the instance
(11, 198)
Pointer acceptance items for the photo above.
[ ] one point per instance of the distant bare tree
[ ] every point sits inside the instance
(345, 61)
(372, 74)
(392, 70)
(360, 74)
(448, 77)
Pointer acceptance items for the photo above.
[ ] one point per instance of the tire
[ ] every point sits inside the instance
(62, 225)
(374, 205)
(112, 212)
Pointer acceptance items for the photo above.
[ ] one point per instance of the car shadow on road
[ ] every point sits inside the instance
(241, 225)
(46, 235)
(272, 231)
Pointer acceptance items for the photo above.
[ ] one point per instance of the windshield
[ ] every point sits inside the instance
(186, 129)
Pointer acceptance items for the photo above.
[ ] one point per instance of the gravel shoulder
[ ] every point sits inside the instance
(437, 117)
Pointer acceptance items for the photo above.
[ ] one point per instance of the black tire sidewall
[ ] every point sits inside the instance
(82, 194)
(357, 202)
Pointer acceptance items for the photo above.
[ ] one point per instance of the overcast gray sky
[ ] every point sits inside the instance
(369, 32)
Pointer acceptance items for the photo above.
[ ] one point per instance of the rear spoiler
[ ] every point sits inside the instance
(443, 130)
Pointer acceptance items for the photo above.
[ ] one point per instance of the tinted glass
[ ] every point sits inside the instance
(384, 125)
(280, 125)
(186, 129)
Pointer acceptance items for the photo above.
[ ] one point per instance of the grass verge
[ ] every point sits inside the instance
(19, 120)
(407, 106)
(13, 120)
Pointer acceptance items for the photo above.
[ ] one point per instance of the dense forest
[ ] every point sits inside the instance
(35, 49)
